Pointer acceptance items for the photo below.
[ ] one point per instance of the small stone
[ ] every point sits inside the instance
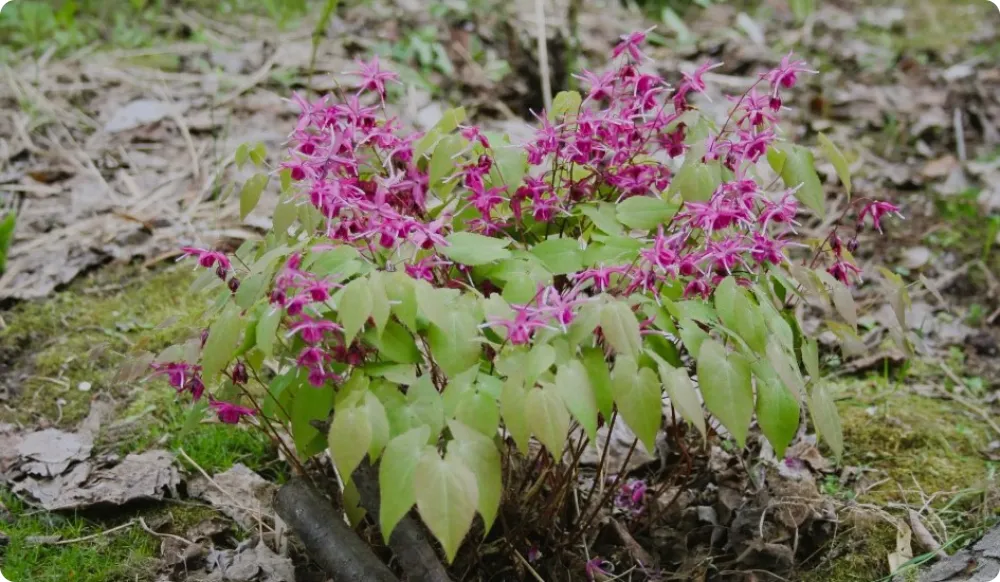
(84, 386)
(916, 257)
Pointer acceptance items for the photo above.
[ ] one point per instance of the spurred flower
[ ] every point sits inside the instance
(877, 209)
(230, 413)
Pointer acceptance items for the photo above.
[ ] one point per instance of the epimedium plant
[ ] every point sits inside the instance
(442, 296)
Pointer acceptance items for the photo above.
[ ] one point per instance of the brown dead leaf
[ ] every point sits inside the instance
(239, 493)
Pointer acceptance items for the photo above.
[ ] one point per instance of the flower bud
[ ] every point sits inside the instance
(234, 284)
(240, 373)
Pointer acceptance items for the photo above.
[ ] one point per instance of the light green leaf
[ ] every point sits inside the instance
(786, 368)
(308, 404)
(536, 362)
(349, 439)
(621, 328)
(433, 303)
(395, 344)
(824, 414)
(402, 296)
(604, 217)
(242, 155)
(426, 405)
(258, 154)
(515, 415)
(600, 379)
(573, 385)
(565, 103)
(355, 307)
(267, 328)
(724, 380)
(223, 338)
(478, 453)
(473, 249)
(379, 423)
(638, 395)
(561, 256)
(683, 395)
(548, 419)
(582, 328)
(455, 345)
(479, 411)
(250, 194)
(836, 157)
(447, 124)
(380, 301)
(396, 477)
(510, 164)
(695, 181)
(740, 314)
(645, 212)
(777, 408)
(810, 358)
(443, 162)
(251, 289)
(692, 335)
(447, 496)
(796, 166)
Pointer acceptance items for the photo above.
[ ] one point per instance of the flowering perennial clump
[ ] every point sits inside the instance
(427, 289)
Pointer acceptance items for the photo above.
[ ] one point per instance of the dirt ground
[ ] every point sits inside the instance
(116, 157)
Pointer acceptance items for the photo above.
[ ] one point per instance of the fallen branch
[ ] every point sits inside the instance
(408, 542)
(327, 539)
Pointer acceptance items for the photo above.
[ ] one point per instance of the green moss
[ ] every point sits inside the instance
(84, 334)
(861, 551)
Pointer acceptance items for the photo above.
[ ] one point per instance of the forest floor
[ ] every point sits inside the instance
(117, 135)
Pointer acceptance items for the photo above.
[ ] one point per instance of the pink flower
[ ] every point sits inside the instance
(597, 566)
(878, 209)
(312, 331)
(630, 44)
(522, 326)
(786, 74)
(373, 78)
(230, 413)
(177, 373)
(843, 271)
(206, 258)
(602, 87)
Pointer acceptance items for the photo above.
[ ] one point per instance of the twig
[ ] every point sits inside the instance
(961, 400)
(152, 532)
(543, 54)
(94, 536)
(531, 570)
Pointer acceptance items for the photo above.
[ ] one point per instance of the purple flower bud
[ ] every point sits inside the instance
(234, 284)
(240, 373)
(221, 272)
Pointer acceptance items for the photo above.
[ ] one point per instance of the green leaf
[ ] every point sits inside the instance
(258, 154)
(537, 362)
(242, 155)
(395, 344)
(396, 477)
(447, 496)
(796, 166)
(692, 335)
(379, 423)
(509, 167)
(443, 162)
(695, 181)
(565, 103)
(600, 379)
(308, 404)
(355, 307)
(604, 217)
(250, 194)
(425, 404)
(573, 385)
(824, 414)
(548, 419)
(349, 439)
(645, 212)
(810, 358)
(777, 408)
(478, 453)
(740, 314)
(638, 395)
(223, 338)
(6, 237)
(479, 411)
(447, 124)
(786, 368)
(582, 328)
(611, 250)
(434, 304)
(836, 157)
(380, 301)
(473, 249)
(455, 344)
(515, 415)
(621, 328)
(251, 289)
(284, 214)
(402, 296)
(683, 395)
(267, 328)
(724, 380)
(561, 256)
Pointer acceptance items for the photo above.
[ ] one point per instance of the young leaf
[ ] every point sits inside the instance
(777, 408)
(683, 395)
(515, 415)
(573, 385)
(221, 343)
(839, 162)
(637, 393)
(724, 380)
(473, 249)
(396, 472)
(548, 419)
(621, 328)
(565, 103)
(478, 453)
(349, 439)
(447, 496)
(797, 168)
(645, 212)
(355, 307)
(600, 379)
(561, 256)
(824, 414)
(250, 194)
